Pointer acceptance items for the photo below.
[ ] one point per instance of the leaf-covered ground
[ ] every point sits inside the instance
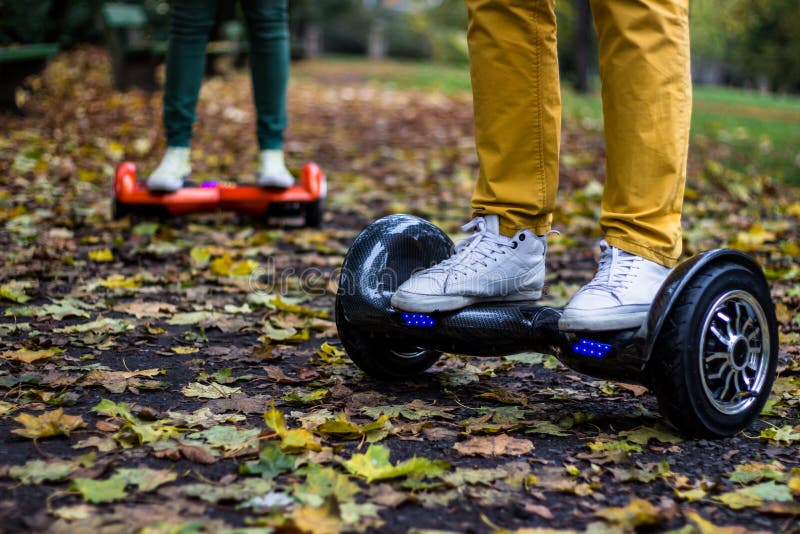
(185, 375)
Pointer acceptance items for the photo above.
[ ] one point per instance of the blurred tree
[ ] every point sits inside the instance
(710, 26)
(767, 50)
(23, 21)
(442, 26)
(583, 45)
(739, 42)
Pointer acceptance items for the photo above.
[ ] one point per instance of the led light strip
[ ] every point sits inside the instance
(420, 320)
(593, 349)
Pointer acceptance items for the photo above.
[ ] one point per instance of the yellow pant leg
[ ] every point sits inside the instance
(517, 102)
(647, 99)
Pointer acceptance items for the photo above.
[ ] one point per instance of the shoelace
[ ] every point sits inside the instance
(617, 269)
(477, 249)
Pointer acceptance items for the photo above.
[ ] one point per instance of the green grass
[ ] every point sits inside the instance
(752, 132)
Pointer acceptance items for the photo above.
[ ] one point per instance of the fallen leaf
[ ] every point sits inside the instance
(322, 483)
(785, 434)
(100, 491)
(197, 453)
(644, 434)
(119, 281)
(102, 256)
(704, 526)
(322, 520)
(755, 496)
(186, 350)
(271, 462)
(15, 291)
(343, 428)
(38, 471)
(54, 423)
(228, 438)
(756, 471)
(691, 495)
(150, 310)
(637, 513)
(236, 492)
(292, 441)
(144, 478)
(209, 391)
(30, 356)
(375, 465)
(500, 445)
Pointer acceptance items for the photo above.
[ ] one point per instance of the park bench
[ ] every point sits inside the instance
(136, 52)
(17, 62)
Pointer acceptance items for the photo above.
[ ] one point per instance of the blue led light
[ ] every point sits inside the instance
(419, 320)
(592, 349)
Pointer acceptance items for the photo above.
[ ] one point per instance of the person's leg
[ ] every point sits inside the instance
(647, 106)
(644, 66)
(190, 25)
(267, 26)
(517, 103)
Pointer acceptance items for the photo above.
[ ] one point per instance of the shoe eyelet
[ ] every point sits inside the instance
(522, 237)
(514, 244)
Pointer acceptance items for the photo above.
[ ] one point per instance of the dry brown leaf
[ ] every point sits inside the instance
(540, 510)
(141, 309)
(500, 445)
(636, 389)
(196, 454)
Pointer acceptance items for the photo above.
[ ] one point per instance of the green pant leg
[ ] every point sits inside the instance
(268, 30)
(190, 26)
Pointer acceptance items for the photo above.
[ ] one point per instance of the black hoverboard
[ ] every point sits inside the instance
(708, 348)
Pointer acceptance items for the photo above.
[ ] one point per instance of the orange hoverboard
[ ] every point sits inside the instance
(130, 197)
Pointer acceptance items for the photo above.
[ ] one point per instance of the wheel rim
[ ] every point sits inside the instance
(417, 352)
(734, 352)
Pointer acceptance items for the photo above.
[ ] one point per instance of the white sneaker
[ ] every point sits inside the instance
(486, 266)
(273, 172)
(618, 297)
(171, 173)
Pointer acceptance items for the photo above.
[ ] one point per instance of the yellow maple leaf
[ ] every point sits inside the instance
(704, 526)
(222, 266)
(29, 356)
(6, 407)
(244, 267)
(294, 440)
(55, 423)
(636, 513)
(322, 520)
(118, 281)
(754, 238)
(330, 354)
(103, 255)
(185, 350)
(793, 210)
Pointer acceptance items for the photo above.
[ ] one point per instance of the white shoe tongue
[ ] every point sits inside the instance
(492, 224)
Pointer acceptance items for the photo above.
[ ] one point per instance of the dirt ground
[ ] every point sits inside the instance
(185, 375)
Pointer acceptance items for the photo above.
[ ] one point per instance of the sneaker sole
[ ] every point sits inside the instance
(602, 323)
(156, 186)
(436, 303)
(274, 184)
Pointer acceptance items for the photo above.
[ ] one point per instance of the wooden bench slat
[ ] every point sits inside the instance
(10, 54)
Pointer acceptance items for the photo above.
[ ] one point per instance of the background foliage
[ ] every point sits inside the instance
(752, 43)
